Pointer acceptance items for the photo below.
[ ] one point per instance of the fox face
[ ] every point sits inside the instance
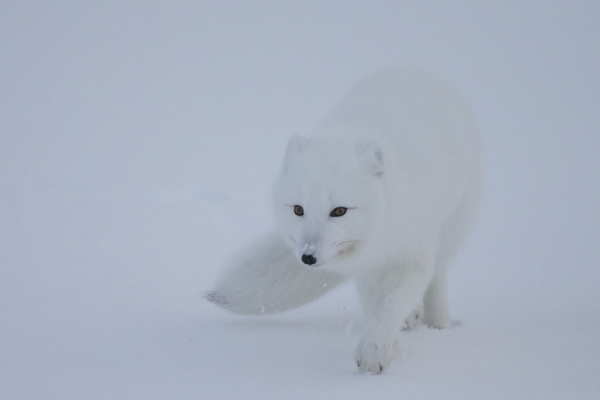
(329, 199)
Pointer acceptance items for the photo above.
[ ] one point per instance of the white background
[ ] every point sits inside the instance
(138, 145)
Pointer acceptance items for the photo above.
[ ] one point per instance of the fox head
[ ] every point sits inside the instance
(329, 198)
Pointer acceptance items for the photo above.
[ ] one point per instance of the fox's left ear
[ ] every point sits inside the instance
(370, 157)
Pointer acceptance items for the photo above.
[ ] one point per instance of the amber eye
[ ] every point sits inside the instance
(338, 212)
(299, 211)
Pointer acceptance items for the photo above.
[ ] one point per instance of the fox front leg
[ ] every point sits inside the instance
(388, 298)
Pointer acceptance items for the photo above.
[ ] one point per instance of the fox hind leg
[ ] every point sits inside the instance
(435, 304)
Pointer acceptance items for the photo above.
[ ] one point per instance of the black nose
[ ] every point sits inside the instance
(308, 259)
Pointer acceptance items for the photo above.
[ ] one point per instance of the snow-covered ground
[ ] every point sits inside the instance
(138, 145)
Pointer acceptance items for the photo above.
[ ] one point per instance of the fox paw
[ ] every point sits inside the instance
(374, 356)
(414, 319)
(439, 321)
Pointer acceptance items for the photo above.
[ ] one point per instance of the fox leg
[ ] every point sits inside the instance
(435, 302)
(388, 297)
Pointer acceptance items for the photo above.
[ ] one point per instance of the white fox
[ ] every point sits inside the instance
(383, 192)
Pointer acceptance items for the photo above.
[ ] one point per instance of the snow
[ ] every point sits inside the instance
(138, 146)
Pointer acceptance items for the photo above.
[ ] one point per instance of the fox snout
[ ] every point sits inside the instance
(309, 259)
(309, 252)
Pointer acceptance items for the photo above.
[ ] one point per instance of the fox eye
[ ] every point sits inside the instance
(338, 212)
(299, 211)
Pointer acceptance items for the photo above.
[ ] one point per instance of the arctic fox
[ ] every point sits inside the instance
(382, 192)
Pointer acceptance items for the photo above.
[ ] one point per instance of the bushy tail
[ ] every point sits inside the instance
(267, 278)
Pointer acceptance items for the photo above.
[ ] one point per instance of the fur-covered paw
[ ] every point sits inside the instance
(374, 356)
(438, 322)
(414, 319)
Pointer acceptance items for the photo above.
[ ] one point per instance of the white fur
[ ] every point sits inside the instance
(402, 153)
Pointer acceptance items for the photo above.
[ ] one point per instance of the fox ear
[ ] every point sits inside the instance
(370, 157)
(295, 146)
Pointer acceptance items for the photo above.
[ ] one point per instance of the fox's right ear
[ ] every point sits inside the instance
(295, 146)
